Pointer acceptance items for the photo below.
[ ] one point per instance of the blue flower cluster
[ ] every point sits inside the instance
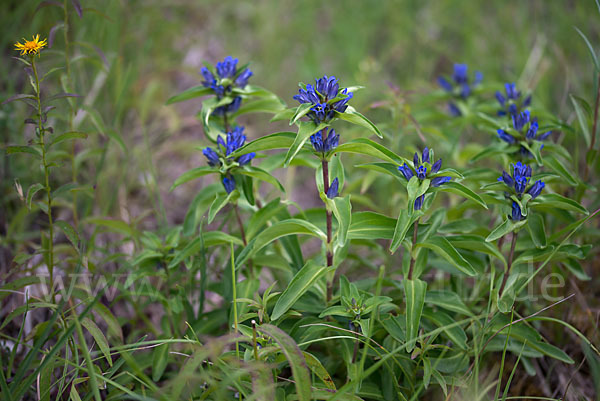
(518, 184)
(326, 99)
(527, 130)
(420, 170)
(225, 147)
(461, 87)
(228, 77)
(511, 104)
(324, 142)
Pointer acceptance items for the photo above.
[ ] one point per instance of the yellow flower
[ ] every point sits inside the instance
(31, 47)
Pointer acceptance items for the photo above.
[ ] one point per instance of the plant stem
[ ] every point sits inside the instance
(329, 249)
(509, 264)
(594, 127)
(239, 221)
(414, 244)
(41, 133)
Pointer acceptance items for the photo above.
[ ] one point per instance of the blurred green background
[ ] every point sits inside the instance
(130, 56)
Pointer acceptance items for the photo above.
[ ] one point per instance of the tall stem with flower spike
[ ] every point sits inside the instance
(41, 132)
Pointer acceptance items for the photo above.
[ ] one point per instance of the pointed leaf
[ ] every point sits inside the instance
(414, 291)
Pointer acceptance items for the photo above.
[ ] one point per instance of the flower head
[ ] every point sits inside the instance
(518, 185)
(511, 104)
(460, 86)
(525, 130)
(232, 142)
(227, 77)
(328, 144)
(326, 99)
(423, 169)
(31, 47)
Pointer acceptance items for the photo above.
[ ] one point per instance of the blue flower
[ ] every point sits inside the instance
(421, 171)
(516, 212)
(511, 104)
(242, 79)
(437, 181)
(212, 156)
(407, 171)
(323, 146)
(229, 184)
(333, 190)
(536, 189)
(506, 137)
(227, 68)
(419, 202)
(323, 98)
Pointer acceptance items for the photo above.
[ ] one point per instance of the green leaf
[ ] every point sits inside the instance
(192, 175)
(22, 149)
(575, 267)
(279, 140)
(371, 225)
(318, 369)
(535, 226)
(354, 117)
(448, 300)
(98, 337)
(260, 174)
(305, 130)
(219, 203)
(69, 232)
(455, 333)
(268, 105)
(67, 136)
(302, 110)
(581, 117)
(35, 188)
(342, 209)
(160, 358)
(280, 229)
(300, 372)
(557, 201)
(191, 93)
(114, 225)
(368, 147)
(462, 190)
(590, 49)
(476, 243)
(504, 228)
(302, 282)
(558, 167)
(403, 224)
(445, 249)
(414, 291)
(386, 168)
